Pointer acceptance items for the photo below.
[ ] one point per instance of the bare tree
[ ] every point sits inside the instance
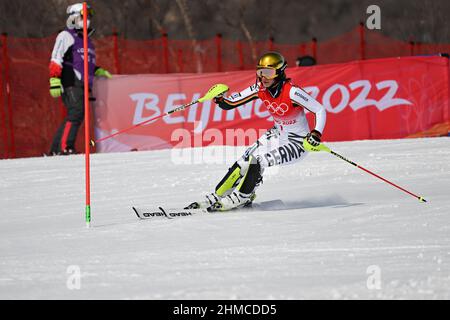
(157, 13)
(184, 9)
(237, 21)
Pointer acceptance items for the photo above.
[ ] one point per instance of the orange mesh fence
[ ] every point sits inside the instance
(231, 55)
(430, 48)
(192, 56)
(345, 47)
(29, 116)
(141, 56)
(105, 53)
(35, 114)
(390, 47)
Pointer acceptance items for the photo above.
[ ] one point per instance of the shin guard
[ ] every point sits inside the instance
(251, 179)
(229, 181)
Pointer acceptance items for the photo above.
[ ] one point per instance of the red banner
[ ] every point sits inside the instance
(372, 99)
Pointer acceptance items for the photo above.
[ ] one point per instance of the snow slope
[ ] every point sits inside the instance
(341, 233)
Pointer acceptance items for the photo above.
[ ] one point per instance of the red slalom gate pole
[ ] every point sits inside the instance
(86, 117)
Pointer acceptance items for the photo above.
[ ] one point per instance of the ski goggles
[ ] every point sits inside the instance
(90, 12)
(268, 73)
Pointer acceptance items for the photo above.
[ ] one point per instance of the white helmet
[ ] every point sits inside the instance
(75, 19)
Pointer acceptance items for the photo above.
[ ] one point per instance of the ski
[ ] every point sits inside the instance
(165, 213)
(152, 213)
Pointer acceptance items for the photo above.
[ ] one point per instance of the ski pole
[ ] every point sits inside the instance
(322, 147)
(213, 92)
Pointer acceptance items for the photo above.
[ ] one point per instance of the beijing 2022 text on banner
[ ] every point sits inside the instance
(373, 99)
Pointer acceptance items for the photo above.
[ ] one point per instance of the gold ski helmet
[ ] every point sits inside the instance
(271, 65)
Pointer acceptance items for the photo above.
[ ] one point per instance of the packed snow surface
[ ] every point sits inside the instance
(335, 232)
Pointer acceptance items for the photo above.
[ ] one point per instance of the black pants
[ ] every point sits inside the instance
(66, 135)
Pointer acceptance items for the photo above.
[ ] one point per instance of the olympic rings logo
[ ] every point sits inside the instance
(279, 109)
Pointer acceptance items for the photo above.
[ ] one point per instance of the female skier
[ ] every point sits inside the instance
(280, 145)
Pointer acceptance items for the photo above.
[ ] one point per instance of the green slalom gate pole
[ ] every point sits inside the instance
(322, 147)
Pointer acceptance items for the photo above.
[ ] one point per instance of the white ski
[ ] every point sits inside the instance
(172, 213)
(165, 213)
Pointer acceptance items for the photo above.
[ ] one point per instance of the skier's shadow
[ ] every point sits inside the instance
(331, 201)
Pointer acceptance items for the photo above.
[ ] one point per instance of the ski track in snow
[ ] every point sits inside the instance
(337, 221)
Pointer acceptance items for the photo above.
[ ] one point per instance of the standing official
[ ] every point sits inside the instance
(67, 76)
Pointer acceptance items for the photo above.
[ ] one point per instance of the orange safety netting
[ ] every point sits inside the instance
(29, 116)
